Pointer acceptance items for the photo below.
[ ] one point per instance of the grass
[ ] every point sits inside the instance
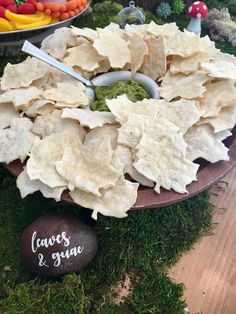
(145, 244)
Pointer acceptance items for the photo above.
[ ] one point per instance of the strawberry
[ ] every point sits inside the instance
(2, 12)
(31, 1)
(12, 8)
(26, 8)
(6, 3)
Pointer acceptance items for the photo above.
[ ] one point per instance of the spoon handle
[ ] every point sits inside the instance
(43, 56)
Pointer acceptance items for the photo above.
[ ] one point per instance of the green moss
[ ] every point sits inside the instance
(155, 293)
(52, 297)
(144, 241)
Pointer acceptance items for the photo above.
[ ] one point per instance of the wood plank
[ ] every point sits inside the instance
(208, 270)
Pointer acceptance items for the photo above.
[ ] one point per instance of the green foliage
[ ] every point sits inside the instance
(232, 6)
(164, 10)
(226, 47)
(18, 2)
(151, 17)
(101, 15)
(214, 4)
(182, 23)
(178, 6)
(107, 6)
(12, 59)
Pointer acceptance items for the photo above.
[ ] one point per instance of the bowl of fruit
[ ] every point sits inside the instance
(34, 20)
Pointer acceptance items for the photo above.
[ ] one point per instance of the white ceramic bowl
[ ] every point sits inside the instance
(109, 78)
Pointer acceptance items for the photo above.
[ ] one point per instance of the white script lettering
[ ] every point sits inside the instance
(58, 256)
(42, 261)
(36, 243)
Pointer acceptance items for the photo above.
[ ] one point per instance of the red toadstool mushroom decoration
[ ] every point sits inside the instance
(196, 11)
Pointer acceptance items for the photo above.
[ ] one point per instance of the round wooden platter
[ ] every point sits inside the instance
(207, 175)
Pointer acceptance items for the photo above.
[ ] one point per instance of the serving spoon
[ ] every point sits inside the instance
(43, 56)
(101, 80)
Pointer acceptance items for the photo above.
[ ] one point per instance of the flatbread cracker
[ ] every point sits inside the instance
(71, 94)
(185, 86)
(23, 74)
(16, 142)
(41, 107)
(164, 163)
(113, 202)
(224, 120)
(53, 123)
(45, 153)
(27, 186)
(219, 69)
(91, 119)
(57, 43)
(138, 49)
(86, 32)
(154, 63)
(111, 45)
(89, 167)
(218, 94)
(21, 97)
(126, 158)
(202, 142)
(186, 43)
(84, 56)
(7, 113)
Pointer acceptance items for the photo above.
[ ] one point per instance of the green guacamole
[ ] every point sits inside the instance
(132, 88)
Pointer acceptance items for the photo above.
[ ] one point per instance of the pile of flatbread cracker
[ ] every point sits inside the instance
(103, 157)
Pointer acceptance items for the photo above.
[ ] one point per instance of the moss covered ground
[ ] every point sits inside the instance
(145, 244)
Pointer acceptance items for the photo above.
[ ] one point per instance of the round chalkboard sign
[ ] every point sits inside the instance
(57, 244)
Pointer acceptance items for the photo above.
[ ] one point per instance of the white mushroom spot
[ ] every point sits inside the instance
(196, 2)
(197, 9)
(204, 7)
(190, 9)
(199, 15)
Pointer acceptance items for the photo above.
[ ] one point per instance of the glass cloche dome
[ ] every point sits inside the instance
(131, 15)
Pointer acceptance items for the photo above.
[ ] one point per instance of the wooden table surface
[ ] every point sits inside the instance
(209, 269)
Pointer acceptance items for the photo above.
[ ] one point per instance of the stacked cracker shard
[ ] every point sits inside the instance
(45, 116)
